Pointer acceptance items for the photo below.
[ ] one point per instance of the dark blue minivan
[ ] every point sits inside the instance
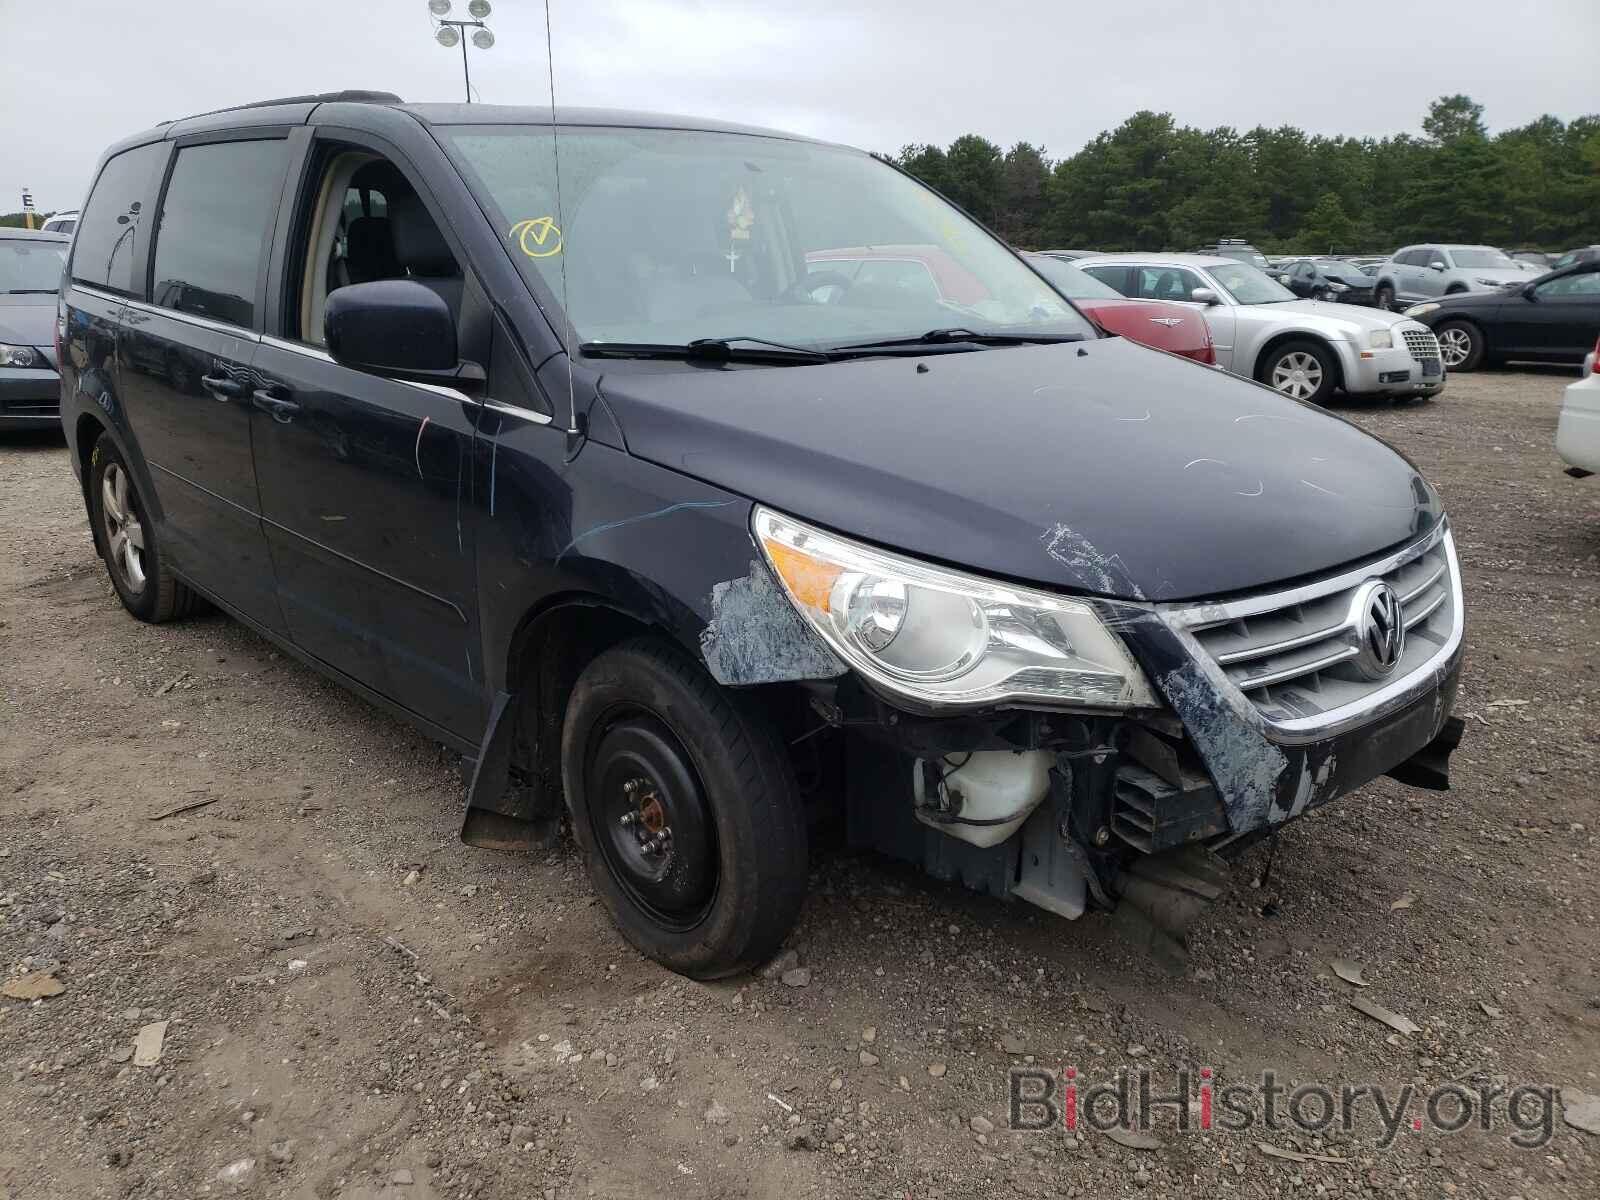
(577, 440)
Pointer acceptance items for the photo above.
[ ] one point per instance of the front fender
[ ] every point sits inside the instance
(666, 549)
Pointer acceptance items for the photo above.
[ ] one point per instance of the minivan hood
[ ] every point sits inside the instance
(1097, 466)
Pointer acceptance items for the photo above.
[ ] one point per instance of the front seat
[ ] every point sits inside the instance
(420, 248)
(369, 251)
(1170, 286)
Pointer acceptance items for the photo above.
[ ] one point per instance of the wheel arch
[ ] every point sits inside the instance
(90, 425)
(1465, 318)
(516, 782)
(1278, 340)
(86, 431)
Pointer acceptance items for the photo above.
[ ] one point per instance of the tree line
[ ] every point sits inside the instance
(1151, 184)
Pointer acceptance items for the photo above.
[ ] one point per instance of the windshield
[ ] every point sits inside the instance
(1248, 285)
(665, 236)
(29, 266)
(1070, 281)
(1482, 258)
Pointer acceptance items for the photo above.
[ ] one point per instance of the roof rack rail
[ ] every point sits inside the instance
(348, 96)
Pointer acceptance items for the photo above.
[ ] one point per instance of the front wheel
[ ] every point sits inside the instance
(1301, 370)
(1460, 345)
(686, 810)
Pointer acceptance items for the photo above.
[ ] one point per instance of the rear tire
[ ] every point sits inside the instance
(1461, 345)
(686, 810)
(126, 540)
(1300, 369)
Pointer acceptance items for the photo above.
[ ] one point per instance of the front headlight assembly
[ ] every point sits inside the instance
(1380, 339)
(19, 356)
(943, 638)
(1417, 310)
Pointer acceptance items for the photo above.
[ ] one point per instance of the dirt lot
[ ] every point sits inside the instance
(358, 1006)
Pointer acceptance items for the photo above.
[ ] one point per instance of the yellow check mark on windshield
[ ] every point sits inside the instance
(538, 237)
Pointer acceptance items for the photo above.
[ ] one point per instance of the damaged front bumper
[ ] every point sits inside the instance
(1272, 710)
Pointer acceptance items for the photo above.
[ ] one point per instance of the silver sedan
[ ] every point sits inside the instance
(1302, 348)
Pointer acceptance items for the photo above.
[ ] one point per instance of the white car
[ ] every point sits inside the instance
(1578, 431)
(1261, 330)
(61, 222)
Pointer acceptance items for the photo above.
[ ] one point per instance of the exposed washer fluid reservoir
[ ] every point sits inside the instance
(982, 797)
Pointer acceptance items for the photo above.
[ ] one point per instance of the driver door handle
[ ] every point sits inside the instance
(222, 387)
(281, 408)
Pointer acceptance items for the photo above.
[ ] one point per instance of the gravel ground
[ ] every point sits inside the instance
(352, 1004)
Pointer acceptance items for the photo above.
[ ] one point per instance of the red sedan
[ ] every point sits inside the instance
(1158, 323)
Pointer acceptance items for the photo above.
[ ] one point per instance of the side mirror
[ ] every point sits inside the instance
(1530, 291)
(1205, 296)
(391, 327)
(1436, 266)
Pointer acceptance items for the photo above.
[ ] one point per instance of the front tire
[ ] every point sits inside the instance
(126, 540)
(1300, 369)
(1461, 345)
(686, 810)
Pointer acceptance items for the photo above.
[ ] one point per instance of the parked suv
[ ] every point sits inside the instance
(1261, 330)
(1417, 273)
(690, 546)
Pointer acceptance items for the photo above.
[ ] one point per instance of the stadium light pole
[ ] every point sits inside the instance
(449, 33)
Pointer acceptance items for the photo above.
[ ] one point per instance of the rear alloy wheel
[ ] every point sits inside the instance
(1300, 370)
(1460, 345)
(127, 542)
(686, 809)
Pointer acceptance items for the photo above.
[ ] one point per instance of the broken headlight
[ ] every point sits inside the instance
(946, 638)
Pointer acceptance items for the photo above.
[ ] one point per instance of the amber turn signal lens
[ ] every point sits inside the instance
(809, 581)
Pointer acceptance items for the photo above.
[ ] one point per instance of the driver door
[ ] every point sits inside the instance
(1561, 320)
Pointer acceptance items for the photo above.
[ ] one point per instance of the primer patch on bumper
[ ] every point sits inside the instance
(756, 636)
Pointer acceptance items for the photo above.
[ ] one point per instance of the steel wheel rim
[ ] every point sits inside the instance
(1298, 375)
(652, 822)
(1455, 345)
(123, 529)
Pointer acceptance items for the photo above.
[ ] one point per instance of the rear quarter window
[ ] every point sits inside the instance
(112, 222)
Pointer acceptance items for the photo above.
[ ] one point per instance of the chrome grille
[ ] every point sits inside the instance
(1421, 343)
(1292, 654)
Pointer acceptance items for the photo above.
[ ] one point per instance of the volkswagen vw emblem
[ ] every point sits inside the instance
(1380, 629)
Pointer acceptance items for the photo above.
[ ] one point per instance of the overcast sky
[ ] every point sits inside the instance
(79, 74)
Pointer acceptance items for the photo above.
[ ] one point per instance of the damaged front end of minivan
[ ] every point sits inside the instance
(1079, 752)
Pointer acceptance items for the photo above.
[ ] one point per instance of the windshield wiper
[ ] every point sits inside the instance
(958, 336)
(710, 350)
